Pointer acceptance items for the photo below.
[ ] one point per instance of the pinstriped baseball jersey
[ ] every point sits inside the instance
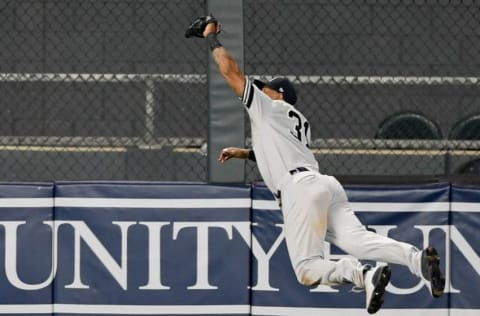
(280, 136)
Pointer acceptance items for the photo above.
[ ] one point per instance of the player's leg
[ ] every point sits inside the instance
(347, 232)
(350, 235)
(305, 207)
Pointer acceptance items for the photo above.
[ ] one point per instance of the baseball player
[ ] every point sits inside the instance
(314, 206)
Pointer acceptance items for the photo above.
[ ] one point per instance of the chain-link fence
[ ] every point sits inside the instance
(96, 89)
(390, 86)
(110, 89)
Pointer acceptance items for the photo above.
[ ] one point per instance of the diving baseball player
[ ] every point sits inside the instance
(314, 206)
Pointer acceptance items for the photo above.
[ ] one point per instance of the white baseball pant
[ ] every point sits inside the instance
(315, 209)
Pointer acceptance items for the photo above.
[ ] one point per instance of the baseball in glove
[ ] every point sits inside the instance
(197, 27)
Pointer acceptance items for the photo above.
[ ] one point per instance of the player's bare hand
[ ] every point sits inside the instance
(231, 152)
(226, 154)
(212, 28)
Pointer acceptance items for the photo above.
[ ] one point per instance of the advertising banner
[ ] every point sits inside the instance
(159, 249)
(465, 250)
(27, 270)
(196, 249)
(418, 215)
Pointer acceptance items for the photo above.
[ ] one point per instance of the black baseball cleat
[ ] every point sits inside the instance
(376, 280)
(431, 274)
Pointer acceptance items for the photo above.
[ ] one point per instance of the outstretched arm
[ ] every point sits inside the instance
(227, 66)
(234, 152)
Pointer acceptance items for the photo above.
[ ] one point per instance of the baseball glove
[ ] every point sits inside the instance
(197, 27)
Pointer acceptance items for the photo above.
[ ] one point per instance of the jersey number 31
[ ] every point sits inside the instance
(301, 128)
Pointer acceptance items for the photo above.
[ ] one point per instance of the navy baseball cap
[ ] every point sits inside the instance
(282, 85)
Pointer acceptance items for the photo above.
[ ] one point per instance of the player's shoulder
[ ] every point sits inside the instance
(280, 104)
(252, 89)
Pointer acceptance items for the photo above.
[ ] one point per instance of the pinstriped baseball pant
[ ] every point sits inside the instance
(315, 209)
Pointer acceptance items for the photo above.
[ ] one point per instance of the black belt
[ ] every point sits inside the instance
(299, 169)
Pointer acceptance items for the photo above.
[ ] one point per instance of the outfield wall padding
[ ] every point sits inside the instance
(71, 248)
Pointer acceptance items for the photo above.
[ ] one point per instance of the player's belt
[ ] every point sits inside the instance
(299, 169)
